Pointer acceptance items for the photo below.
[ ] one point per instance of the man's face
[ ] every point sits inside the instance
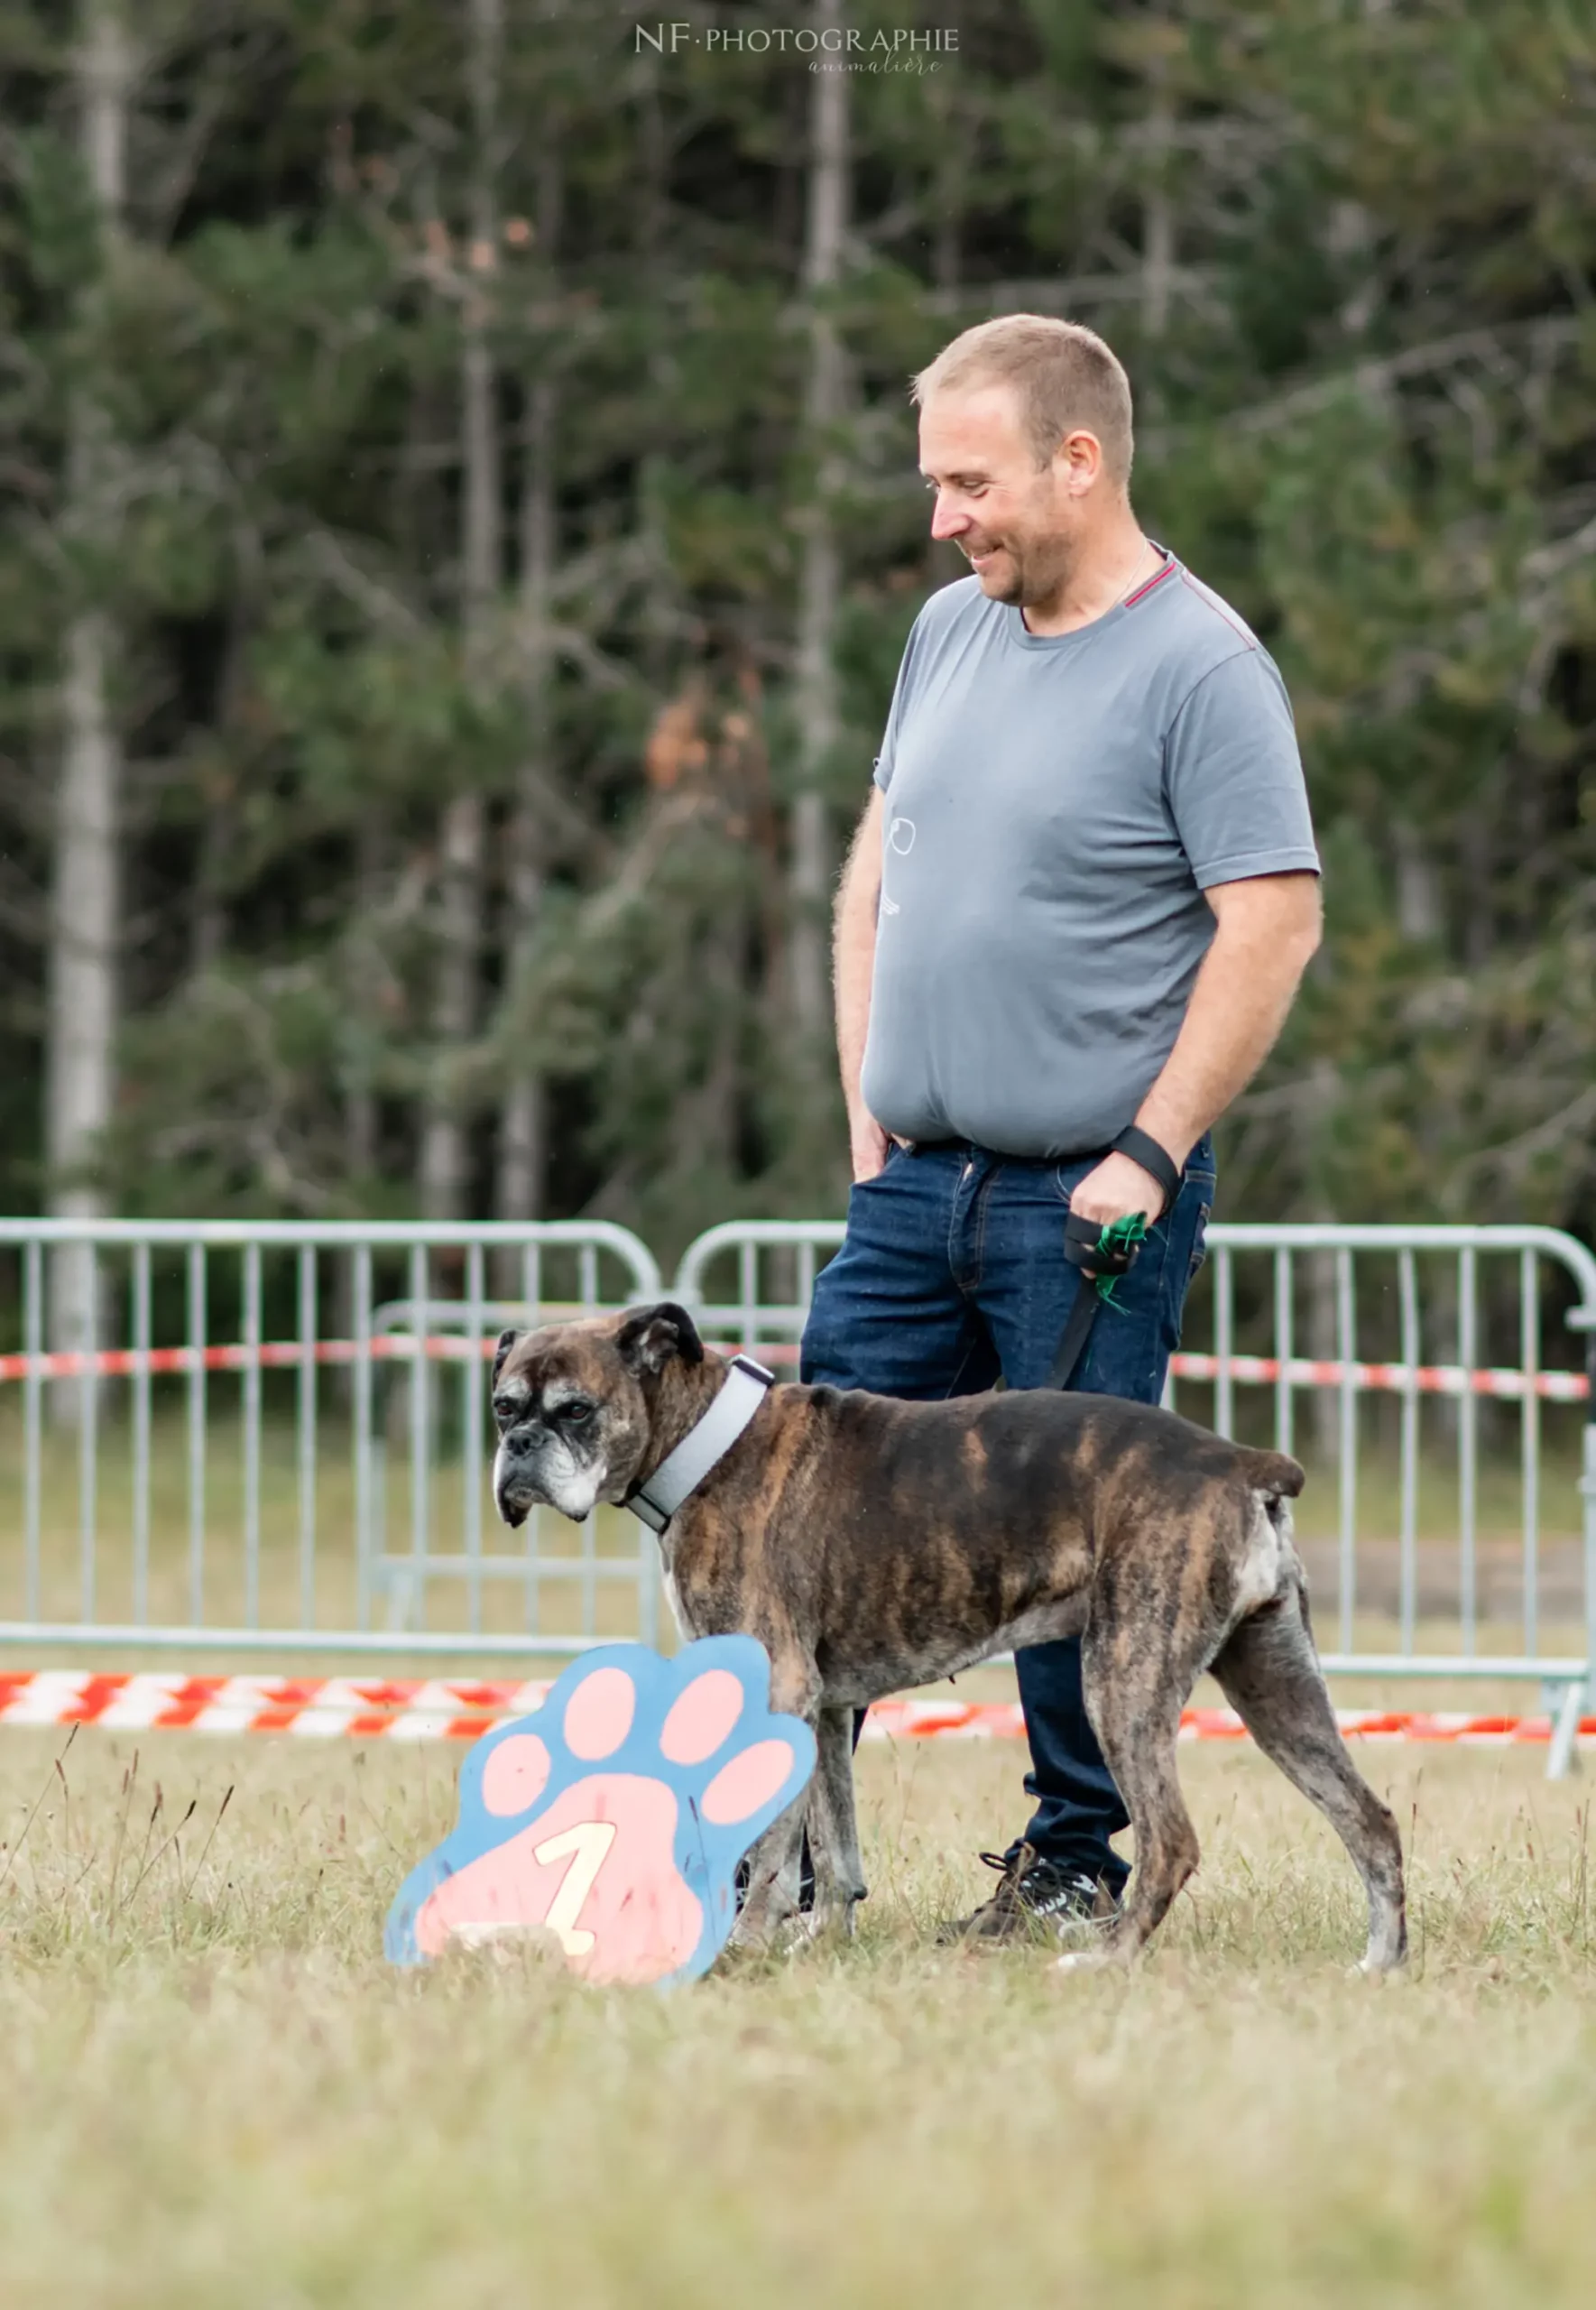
(1019, 527)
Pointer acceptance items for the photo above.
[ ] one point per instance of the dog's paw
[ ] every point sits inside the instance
(1088, 1961)
(615, 1817)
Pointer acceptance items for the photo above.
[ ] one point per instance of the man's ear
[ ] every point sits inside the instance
(506, 1342)
(650, 1337)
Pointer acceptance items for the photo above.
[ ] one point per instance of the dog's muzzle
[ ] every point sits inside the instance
(534, 1469)
(516, 1488)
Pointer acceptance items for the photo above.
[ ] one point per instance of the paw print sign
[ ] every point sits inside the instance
(616, 1816)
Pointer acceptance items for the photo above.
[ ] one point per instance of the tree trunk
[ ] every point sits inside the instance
(1418, 889)
(85, 916)
(1158, 256)
(819, 584)
(219, 832)
(658, 620)
(363, 966)
(518, 1192)
(444, 1153)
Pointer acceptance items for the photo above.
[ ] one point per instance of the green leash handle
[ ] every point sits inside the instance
(1117, 1247)
(1109, 1253)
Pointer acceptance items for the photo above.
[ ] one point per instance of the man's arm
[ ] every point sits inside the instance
(853, 955)
(1269, 928)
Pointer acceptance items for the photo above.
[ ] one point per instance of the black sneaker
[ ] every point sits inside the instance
(1035, 1900)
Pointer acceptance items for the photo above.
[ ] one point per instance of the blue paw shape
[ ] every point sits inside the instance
(616, 1816)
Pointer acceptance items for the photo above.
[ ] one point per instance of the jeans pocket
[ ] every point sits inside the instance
(1200, 1233)
(1065, 1177)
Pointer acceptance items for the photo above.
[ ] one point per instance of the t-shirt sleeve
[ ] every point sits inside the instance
(1234, 777)
(900, 705)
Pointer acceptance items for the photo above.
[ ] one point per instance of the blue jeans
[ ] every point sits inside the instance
(952, 1271)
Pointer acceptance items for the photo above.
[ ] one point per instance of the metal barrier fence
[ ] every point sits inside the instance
(289, 1394)
(1352, 1294)
(327, 1491)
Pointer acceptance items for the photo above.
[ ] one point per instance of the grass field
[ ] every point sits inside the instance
(217, 2093)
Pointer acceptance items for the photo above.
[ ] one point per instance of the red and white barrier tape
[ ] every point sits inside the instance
(1002, 1720)
(1305, 1371)
(1392, 1378)
(401, 1347)
(237, 1355)
(461, 1708)
(362, 1707)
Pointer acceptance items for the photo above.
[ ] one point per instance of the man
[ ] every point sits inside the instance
(1081, 899)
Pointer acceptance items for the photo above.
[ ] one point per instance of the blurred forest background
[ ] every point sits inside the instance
(459, 524)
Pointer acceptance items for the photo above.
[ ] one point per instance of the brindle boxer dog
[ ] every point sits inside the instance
(870, 1544)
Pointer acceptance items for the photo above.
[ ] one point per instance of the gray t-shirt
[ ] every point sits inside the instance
(1056, 807)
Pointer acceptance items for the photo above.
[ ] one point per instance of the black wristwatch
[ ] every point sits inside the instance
(1155, 1160)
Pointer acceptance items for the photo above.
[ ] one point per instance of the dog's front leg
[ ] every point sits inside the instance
(775, 1862)
(773, 1869)
(834, 1835)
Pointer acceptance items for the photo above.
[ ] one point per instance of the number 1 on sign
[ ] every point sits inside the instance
(587, 1844)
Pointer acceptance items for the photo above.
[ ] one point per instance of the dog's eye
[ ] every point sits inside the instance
(506, 1407)
(576, 1415)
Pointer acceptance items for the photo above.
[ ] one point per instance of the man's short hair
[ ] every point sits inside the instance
(1065, 375)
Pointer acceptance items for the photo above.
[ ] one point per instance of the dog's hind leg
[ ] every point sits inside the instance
(834, 1833)
(1135, 1704)
(1269, 1672)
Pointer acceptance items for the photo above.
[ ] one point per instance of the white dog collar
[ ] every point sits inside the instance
(681, 1472)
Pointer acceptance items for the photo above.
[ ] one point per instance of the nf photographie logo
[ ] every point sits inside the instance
(836, 48)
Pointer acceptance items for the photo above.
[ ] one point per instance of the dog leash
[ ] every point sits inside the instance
(681, 1472)
(1107, 1251)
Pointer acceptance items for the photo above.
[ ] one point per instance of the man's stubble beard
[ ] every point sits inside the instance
(1038, 574)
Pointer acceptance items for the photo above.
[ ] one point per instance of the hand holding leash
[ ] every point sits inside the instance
(1117, 1189)
(1104, 1232)
(1135, 1179)
(1104, 1254)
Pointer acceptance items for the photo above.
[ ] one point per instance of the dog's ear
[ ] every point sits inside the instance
(506, 1342)
(650, 1337)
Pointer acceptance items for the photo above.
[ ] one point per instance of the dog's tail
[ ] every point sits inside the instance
(1274, 1473)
